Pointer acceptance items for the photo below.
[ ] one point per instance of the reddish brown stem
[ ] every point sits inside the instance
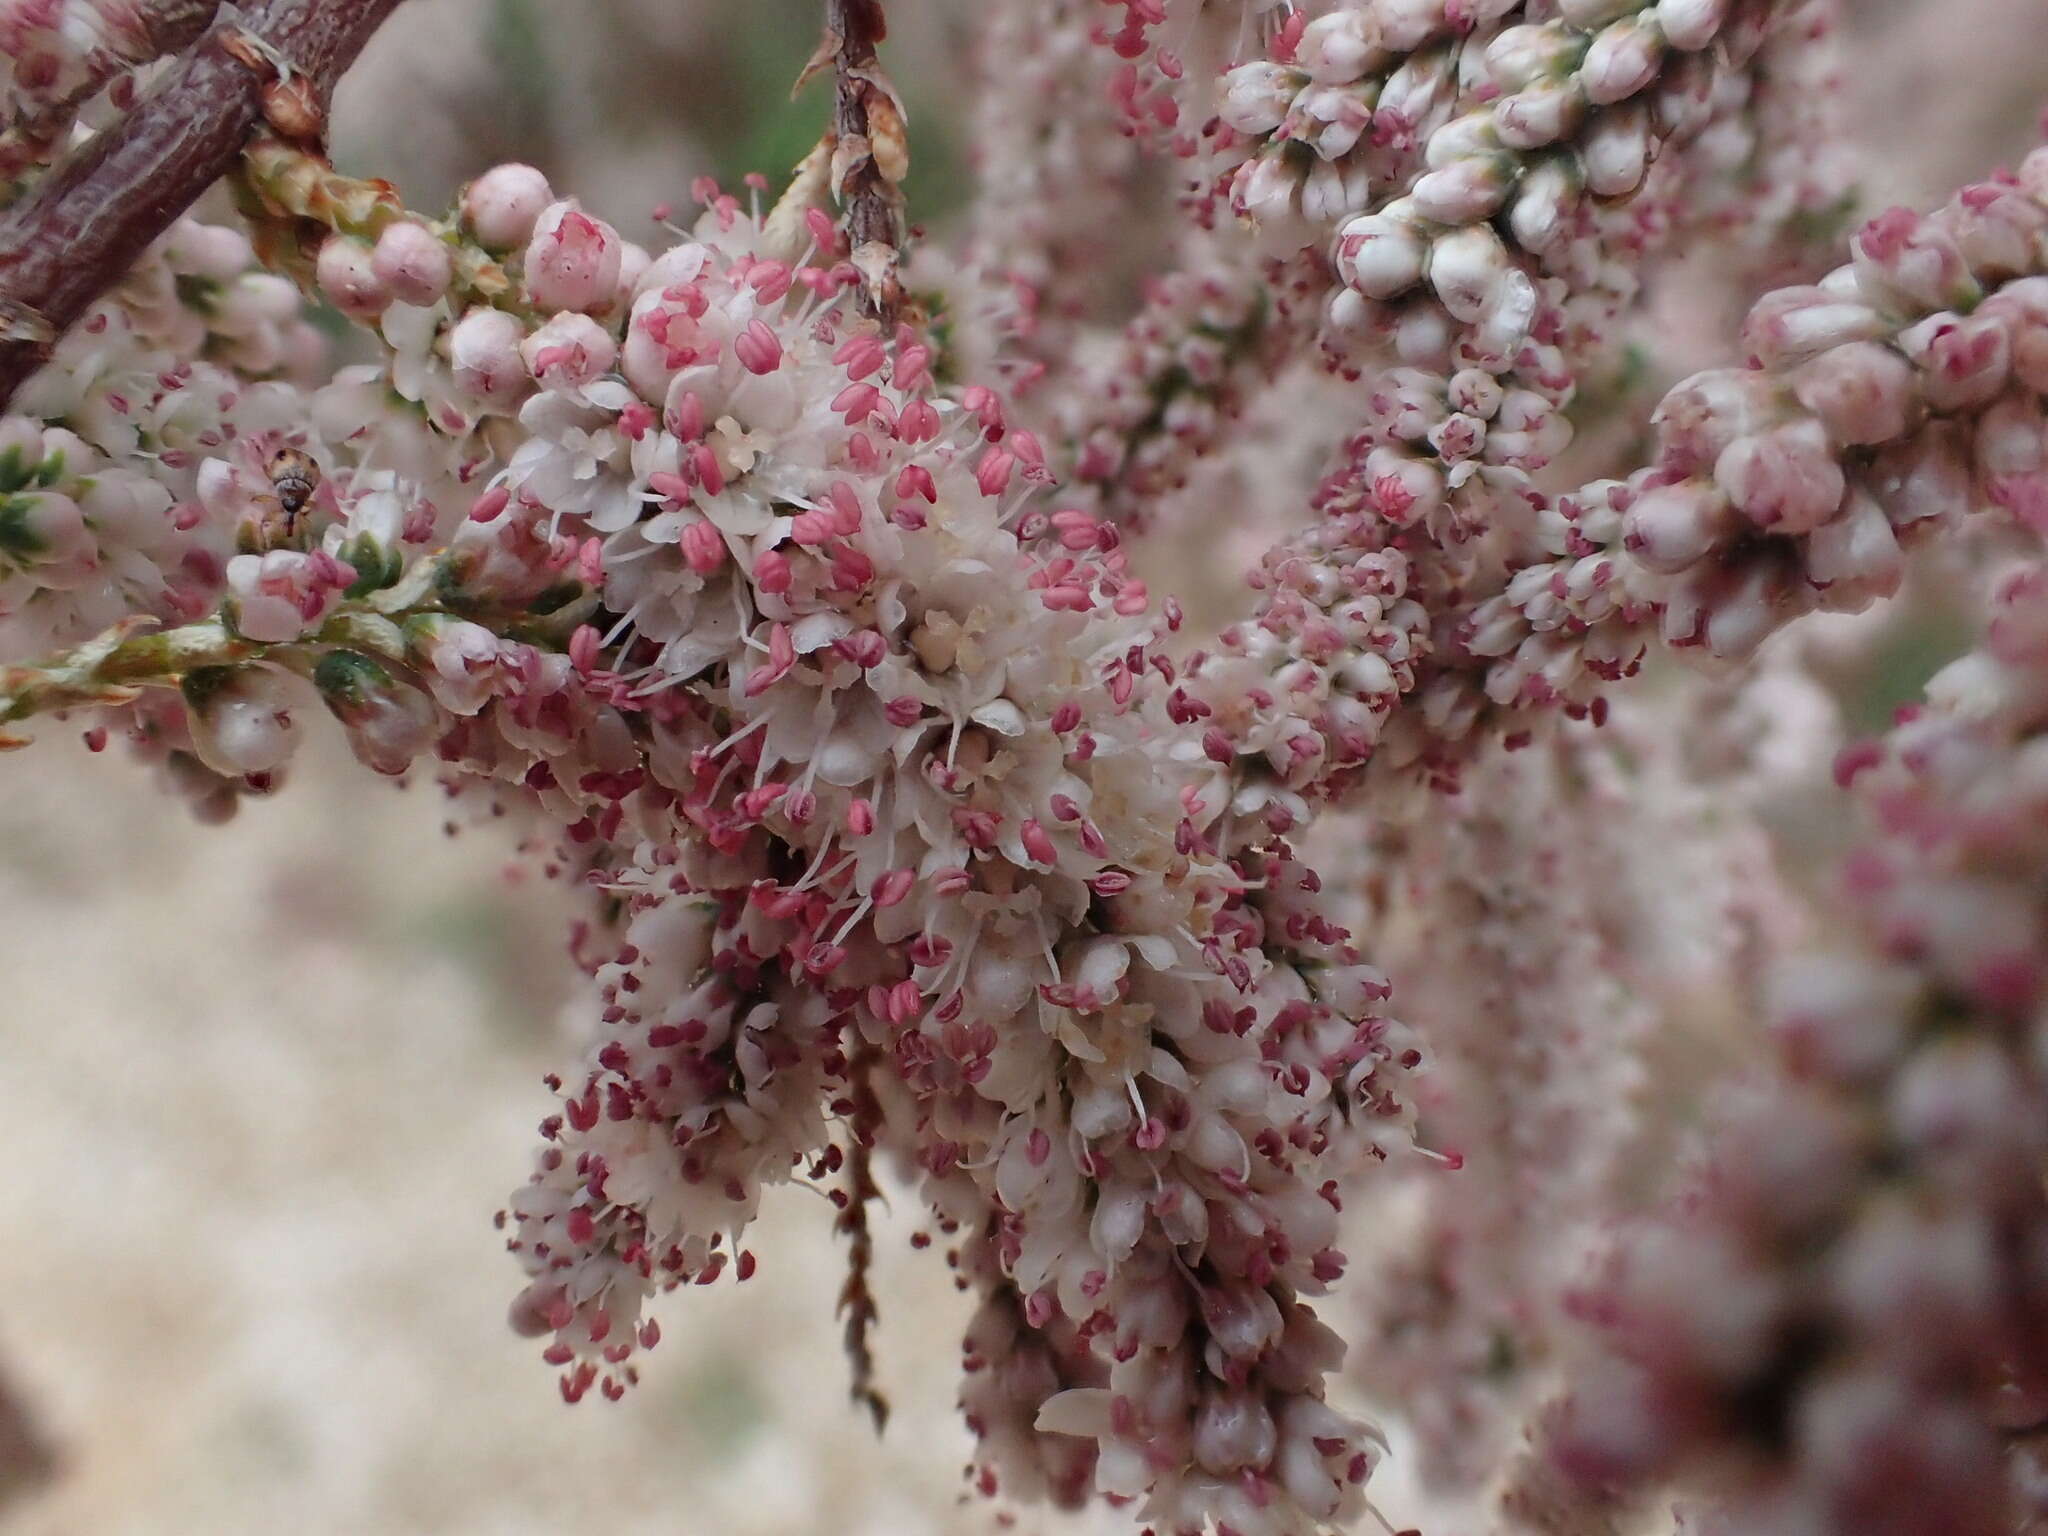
(873, 205)
(856, 1299)
(86, 223)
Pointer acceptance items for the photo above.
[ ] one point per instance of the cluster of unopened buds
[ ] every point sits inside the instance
(1162, 393)
(934, 849)
(1901, 392)
(1417, 120)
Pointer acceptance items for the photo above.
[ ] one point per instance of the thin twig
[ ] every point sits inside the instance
(134, 654)
(870, 155)
(90, 219)
(856, 1298)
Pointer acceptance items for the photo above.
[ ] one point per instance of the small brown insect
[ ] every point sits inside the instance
(294, 477)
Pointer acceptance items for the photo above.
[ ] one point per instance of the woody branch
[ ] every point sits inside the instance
(84, 225)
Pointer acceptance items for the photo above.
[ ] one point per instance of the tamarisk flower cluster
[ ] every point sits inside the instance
(898, 767)
(923, 790)
(1055, 206)
(1431, 137)
(196, 350)
(1520, 918)
(932, 848)
(1854, 1286)
(1432, 118)
(1160, 395)
(1489, 933)
(1172, 51)
(109, 459)
(1901, 391)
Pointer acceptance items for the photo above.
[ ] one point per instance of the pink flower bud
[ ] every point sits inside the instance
(389, 723)
(1475, 392)
(1671, 527)
(2023, 307)
(1403, 489)
(1855, 556)
(1995, 226)
(412, 263)
(569, 351)
(1926, 477)
(1623, 59)
(1965, 360)
(1542, 114)
(1421, 87)
(1794, 324)
(1465, 190)
(1334, 191)
(2012, 439)
(1332, 119)
(347, 274)
(573, 260)
(1465, 268)
(1863, 392)
(501, 206)
(1256, 96)
(1616, 151)
(1699, 419)
(1690, 24)
(1528, 433)
(1264, 188)
(209, 250)
(1905, 259)
(484, 348)
(1787, 480)
(1381, 255)
(1746, 609)
(46, 531)
(1457, 437)
(1527, 55)
(1544, 200)
(1338, 48)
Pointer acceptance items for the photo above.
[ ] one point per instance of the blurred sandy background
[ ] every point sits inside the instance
(264, 1085)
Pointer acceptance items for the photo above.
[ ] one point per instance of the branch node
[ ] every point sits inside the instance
(291, 100)
(252, 50)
